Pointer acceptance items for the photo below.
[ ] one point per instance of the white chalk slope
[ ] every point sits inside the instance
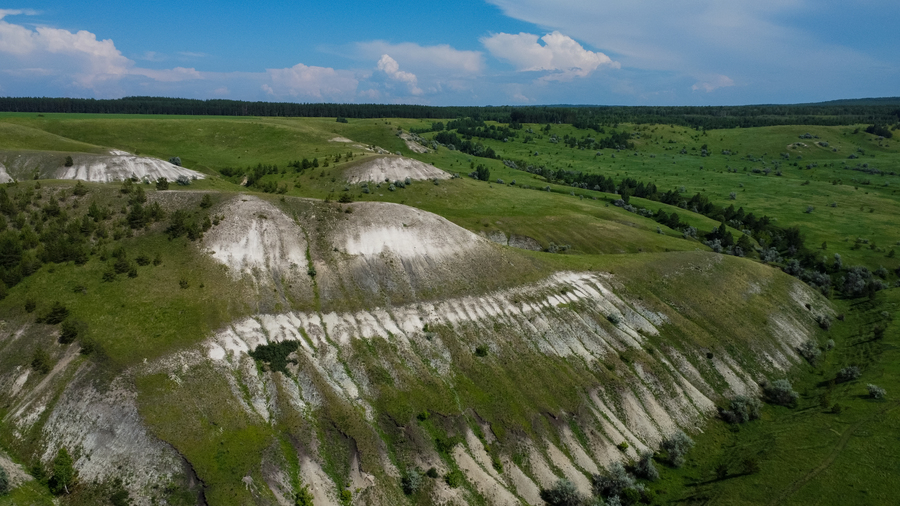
(119, 165)
(101, 168)
(392, 168)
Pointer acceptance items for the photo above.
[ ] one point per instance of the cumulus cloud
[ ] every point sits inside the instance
(425, 59)
(713, 83)
(391, 69)
(319, 83)
(71, 62)
(560, 55)
(743, 39)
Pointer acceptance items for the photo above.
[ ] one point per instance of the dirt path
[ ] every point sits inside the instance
(842, 443)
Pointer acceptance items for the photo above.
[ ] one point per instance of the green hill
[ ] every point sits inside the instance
(267, 329)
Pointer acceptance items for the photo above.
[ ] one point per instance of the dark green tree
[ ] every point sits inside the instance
(64, 475)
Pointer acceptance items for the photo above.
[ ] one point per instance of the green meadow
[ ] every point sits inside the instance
(838, 185)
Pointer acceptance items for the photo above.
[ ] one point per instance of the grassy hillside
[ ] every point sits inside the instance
(144, 298)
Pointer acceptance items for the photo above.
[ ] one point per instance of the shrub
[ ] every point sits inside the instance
(824, 321)
(4, 482)
(454, 478)
(563, 493)
(781, 392)
(848, 373)
(162, 184)
(617, 482)
(411, 481)
(183, 180)
(175, 160)
(742, 409)
(432, 473)
(70, 330)
(30, 305)
(645, 468)
(64, 474)
(481, 351)
(677, 445)
(80, 189)
(876, 392)
(183, 283)
(56, 314)
(40, 361)
(614, 319)
(206, 201)
(275, 354)
(622, 446)
(810, 351)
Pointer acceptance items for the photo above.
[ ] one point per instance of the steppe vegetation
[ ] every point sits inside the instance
(112, 287)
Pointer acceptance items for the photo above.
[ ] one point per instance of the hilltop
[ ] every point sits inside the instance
(457, 311)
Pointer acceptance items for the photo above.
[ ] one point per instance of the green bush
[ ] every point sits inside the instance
(563, 493)
(70, 330)
(40, 361)
(4, 482)
(848, 373)
(304, 497)
(411, 481)
(64, 475)
(54, 315)
(645, 468)
(275, 354)
(743, 409)
(876, 392)
(781, 392)
(677, 445)
(454, 478)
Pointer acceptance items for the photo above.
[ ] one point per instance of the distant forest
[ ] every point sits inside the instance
(878, 111)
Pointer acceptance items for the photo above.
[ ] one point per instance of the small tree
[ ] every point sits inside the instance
(677, 445)
(69, 161)
(64, 475)
(876, 391)
(411, 481)
(810, 351)
(304, 497)
(4, 482)
(40, 361)
(781, 392)
(563, 493)
(743, 409)
(645, 467)
(848, 373)
(162, 184)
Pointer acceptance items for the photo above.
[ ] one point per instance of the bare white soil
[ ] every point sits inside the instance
(257, 238)
(101, 168)
(119, 165)
(412, 145)
(392, 168)
(4, 176)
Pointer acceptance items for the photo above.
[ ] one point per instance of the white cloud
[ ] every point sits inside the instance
(174, 75)
(713, 83)
(391, 69)
(560, 55)
(425, 59)
(319, 83)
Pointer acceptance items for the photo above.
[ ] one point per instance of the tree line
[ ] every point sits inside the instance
(875, 111)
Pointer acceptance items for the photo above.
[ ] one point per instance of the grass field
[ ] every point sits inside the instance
(805, 455)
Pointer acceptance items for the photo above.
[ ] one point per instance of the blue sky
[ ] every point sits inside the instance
(469, 52)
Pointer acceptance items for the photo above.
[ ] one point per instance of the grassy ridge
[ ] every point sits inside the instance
(805, 454)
